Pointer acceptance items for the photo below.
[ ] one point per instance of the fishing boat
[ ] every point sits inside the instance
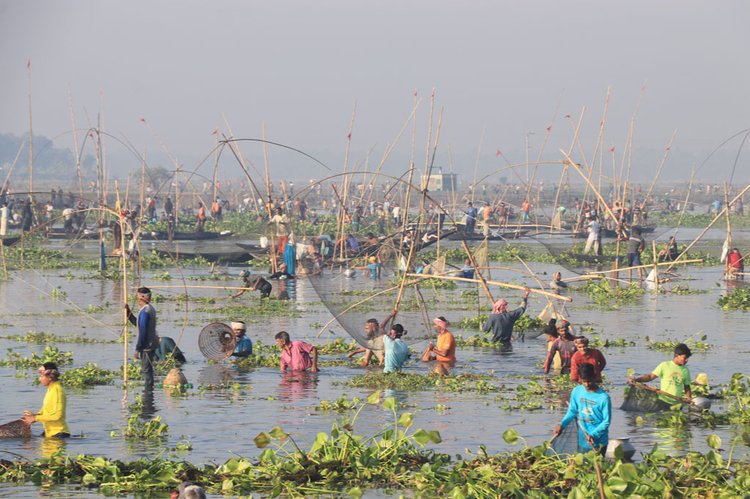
(494, 235)
(185, 236)
(225, 257)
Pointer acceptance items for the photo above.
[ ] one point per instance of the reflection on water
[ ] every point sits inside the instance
(297, 385)
(148, 409)
(49, 446)
(673, 439)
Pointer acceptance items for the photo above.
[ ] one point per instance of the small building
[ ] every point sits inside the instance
(440, 181)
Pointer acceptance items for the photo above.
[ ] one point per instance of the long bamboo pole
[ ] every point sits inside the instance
(493, 283)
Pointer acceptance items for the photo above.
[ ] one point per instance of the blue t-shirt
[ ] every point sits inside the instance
(396, 353)
(374, 269)
(244, 348)
(594, 411)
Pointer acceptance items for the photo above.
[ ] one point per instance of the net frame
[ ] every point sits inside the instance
(216, 341)
(641, 400)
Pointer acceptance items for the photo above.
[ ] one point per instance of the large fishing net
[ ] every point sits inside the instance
(640, 400)
(15, 429)
(566, 442)
(353, 297)
(216, 341)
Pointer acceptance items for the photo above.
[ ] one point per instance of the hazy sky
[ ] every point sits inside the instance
(500, 70)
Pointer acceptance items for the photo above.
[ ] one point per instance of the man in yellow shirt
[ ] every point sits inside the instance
(52, 413)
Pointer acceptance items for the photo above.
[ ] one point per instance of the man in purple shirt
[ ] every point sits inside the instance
(296, 355)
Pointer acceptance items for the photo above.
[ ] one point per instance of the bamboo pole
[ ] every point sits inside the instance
(656, 267)
(482, 280)
(31, 142)
(493, 283)
(124, 263)
(715, 219)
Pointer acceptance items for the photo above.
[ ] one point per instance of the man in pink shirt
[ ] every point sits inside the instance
(296, 355)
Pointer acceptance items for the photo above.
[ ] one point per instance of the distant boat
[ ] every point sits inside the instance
(210, 256)
(494, 235)
(185, 236)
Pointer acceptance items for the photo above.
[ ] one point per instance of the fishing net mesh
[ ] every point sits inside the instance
(640, 400)
(216, 341)
(566, 442)
(15, 429)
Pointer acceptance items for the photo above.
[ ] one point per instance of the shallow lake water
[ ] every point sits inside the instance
(220, 424)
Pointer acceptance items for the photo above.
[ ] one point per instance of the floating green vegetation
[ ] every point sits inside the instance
(266, 307)
(696, 344)
(86, 376)
(684, 289)
(39, 258)
(341, 404)
(394, 459)
(738, 299)
(524, 323)
(597, 342)
(337, 346)
(50, 354)
(737, 393)
(605, 295)
(45, 337)
(153, 429)
(480, 383)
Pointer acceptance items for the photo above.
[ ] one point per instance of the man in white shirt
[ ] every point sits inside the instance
(594, 237)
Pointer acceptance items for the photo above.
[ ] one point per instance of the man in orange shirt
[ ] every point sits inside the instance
(445, 350)
(201, 217)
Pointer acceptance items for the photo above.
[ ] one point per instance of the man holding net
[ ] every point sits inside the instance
(591, 408)
(673, 375)
(296, 355)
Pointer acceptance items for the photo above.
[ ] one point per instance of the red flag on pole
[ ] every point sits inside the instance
(28, 64)
(215, 132)
(143, 120)
(349, 136)
(549, 128)
(498, 153)
(612, 149)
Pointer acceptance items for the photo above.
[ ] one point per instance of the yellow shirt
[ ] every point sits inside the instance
(52, 414)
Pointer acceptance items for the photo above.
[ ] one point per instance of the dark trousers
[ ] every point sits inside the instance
(147, 368)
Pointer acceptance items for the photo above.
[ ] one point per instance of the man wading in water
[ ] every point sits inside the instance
(501, 321)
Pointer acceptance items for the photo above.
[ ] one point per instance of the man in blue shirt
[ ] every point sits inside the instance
(591, 409)
(471, 218)
(243, 345)
(396, 349)
(148, 340)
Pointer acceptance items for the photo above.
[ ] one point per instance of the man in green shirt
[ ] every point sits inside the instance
(673, 375)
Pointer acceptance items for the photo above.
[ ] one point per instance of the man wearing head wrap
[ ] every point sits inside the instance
(445, 349)
(243, 345)
(565, 346)
(52, 413)
(148, 340)
(501, 321)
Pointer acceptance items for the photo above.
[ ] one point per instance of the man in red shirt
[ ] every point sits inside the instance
(735, 264)
(586, 355)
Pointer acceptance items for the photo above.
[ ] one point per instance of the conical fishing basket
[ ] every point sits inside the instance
(566, 442)
(216, 340)
(15, 429)
(641, 400)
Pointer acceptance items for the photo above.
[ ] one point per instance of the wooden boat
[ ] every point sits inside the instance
(253, 250)
(185, 236)
(494, 235)
(226, 257)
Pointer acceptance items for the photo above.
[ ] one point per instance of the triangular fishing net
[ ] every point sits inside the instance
(435, 268)
(216, 341)
(481, 256)
(640, 400)
(566, 442)
(342, 291)
(354, 299)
